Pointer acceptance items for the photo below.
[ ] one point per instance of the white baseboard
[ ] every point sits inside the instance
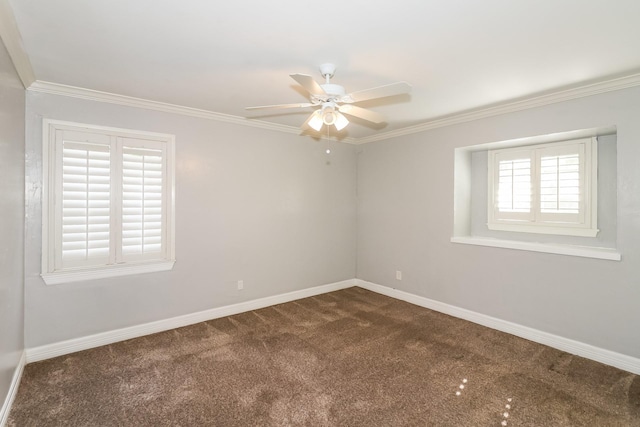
(627, 363)
(13, 390)
(78, 344)
(611, 358)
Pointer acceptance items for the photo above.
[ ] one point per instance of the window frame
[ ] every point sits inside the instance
(536, 221)
(51, 193)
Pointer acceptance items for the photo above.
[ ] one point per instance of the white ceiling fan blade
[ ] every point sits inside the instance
(392, 89)
(308, 83)
(368, 115)
(302, 105)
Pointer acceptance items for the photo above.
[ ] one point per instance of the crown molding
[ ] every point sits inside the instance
(13, 42)
(465, 116)
(129, 101)
(609, 85)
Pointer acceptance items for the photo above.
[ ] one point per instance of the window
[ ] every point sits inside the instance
(546, 188)
(108, 206)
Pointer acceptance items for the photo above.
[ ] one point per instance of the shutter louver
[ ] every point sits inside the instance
(142, 203)
(86, 197)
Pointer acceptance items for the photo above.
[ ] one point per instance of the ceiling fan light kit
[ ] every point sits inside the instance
(315, 120)
(333, 100)
(328, 113)
(341, 121)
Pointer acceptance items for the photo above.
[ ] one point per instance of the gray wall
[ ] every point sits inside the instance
(268, 208)
(275, 211)
(405, 222)
(12, 101)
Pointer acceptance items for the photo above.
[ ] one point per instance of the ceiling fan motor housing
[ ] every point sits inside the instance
(333, 90)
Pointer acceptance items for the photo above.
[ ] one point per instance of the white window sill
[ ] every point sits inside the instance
(105, 272)
(550, 248)
(542, 229)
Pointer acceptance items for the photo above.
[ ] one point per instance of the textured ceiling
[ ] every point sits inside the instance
(223, 56)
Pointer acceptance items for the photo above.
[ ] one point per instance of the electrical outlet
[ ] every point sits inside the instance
(240, 284)
(398, 275)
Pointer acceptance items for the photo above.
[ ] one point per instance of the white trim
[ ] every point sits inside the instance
(561, 95)
(542, 139)
(115, 270)
(83, 343)
(51, 154)
(129, 101)
(13, 389)
(560, 230)
(129, 133)
(549, 248)
(618, 360)
(583, 224)
(12, 39)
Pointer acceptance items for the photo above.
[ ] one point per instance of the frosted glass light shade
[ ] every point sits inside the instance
(315, 122)
(341, 121)
(329, 116)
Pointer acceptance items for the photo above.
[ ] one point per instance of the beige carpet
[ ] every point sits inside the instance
(347, 358)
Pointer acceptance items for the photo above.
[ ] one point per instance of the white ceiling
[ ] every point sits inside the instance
(223, 56)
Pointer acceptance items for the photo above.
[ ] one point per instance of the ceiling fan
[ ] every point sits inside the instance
(334, 101)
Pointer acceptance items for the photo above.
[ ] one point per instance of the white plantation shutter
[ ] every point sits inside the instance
(142, 202)
(108, 202)
(547, 188)
(84, 208)
(514, 185)
(85, 202)
(562, 183)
